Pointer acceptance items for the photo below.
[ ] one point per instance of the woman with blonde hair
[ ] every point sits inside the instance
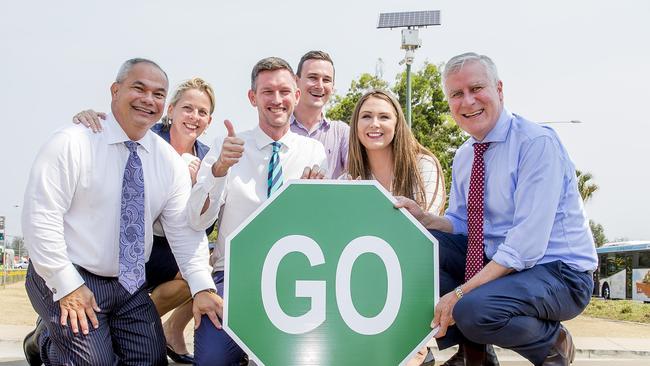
(382, 147)
(189, 113)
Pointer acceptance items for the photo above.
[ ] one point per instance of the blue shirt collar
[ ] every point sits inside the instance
(200, 148)
(499, 132)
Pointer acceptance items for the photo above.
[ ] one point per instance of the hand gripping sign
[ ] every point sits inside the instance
(330, 273)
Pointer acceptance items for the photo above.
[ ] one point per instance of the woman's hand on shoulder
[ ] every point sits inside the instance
(90, 119)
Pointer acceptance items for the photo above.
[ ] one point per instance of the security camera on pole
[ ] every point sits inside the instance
(411, 41)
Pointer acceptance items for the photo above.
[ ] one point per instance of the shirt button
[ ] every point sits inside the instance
(54, 291)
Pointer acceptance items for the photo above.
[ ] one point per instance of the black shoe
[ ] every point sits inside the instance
(184, 358)
(244, 360)
(31, 347)
(458, 359)
(490, 356)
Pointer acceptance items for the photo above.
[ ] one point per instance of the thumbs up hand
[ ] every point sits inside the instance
(231, 151)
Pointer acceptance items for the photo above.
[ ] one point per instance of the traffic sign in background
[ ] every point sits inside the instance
(371, 306)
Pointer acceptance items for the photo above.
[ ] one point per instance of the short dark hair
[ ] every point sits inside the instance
(128, 65)
(269, 64)
(314, 55)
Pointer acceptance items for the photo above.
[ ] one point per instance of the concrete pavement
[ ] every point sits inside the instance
(599, 342)
(591, 350)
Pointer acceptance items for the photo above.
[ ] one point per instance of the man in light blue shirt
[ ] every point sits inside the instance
(539, 253)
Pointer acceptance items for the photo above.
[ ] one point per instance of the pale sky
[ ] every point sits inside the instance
(559, 60)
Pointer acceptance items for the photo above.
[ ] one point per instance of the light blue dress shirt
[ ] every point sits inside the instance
(533, 211)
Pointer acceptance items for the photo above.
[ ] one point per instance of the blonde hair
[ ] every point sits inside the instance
(194, 83)
(407, 179)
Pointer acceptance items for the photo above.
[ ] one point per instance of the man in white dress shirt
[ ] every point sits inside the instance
(89, 206)
(240, 173)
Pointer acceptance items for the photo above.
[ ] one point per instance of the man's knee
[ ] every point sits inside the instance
(214, 347)
(474, 319)
(157, 357)
(78, 351)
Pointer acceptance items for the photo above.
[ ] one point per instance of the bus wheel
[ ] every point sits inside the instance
(605, 292)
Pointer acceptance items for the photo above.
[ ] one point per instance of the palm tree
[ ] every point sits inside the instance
(585, 186)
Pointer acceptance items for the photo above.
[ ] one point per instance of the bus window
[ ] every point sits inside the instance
(611, 265)
(602, 260)
(644, 260)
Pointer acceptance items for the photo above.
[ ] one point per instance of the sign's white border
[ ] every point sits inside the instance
(263, 206)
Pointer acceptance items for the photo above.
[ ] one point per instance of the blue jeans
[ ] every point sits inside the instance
(521, 311)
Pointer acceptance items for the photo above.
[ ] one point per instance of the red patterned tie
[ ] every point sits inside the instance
(475, 202)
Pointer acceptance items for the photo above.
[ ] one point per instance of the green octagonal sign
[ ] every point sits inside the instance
(330, 273)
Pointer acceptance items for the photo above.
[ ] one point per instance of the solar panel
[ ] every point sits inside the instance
(409, 19)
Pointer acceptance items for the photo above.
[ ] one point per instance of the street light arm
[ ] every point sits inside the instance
(554, 122)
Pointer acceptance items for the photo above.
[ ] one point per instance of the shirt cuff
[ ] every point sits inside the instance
(458, 226)
(217, 186)
(508, 258)
(64, 282)
(200, 281)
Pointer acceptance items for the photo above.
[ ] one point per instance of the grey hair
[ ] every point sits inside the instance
(269, 64)
(128, 65)
(457, 62)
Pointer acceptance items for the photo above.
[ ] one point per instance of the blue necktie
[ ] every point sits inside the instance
(132, 222)
(275, 170)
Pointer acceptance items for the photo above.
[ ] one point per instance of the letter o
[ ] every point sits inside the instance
(386, 317)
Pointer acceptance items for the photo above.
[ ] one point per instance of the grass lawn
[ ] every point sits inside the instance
(633, 311)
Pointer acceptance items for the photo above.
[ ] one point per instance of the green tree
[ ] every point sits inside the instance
(342, 107)
(598, 232)
(585, 185)
(587, 188)
(18, 245)
(431, 122)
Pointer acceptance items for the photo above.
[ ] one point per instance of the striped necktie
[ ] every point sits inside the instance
(475, 203)
(275, 170)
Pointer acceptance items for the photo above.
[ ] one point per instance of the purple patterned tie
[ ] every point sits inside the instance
(132, 222)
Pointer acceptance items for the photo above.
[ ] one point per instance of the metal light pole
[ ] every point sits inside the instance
(573, 121)
(410, 20)
(4, 252)
(408, 59)
(20, 246)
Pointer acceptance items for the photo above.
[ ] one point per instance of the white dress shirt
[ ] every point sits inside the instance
(72, 206)
(243, 189)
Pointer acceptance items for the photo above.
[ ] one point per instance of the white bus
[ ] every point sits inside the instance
(623, 271)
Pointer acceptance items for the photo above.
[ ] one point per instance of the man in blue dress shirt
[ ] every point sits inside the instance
(536, 251)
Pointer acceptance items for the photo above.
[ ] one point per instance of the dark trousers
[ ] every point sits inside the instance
(521, 311)
(129, 333)
(212, 346)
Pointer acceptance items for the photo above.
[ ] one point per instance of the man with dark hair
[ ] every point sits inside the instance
(516, 251)
(89, 206)
(240, 173)
(315, 78)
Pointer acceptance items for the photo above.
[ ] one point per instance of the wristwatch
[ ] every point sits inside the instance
(210, 290)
